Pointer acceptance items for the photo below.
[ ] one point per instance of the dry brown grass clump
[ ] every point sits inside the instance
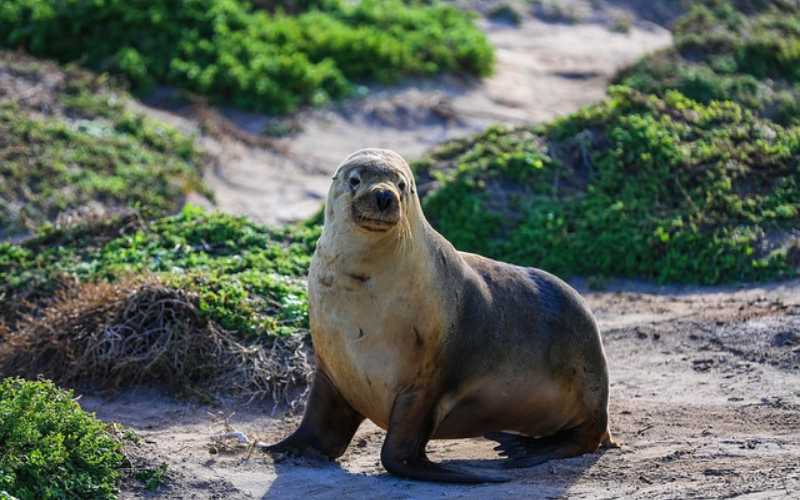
(111, 335)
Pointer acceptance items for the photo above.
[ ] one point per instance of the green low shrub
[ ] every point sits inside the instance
(746, 52)
(229, 51)
(50, 447)
(75, 146)
(249, 279)
(688, 172)
(637, 186)
(201, 303)
(51, 166)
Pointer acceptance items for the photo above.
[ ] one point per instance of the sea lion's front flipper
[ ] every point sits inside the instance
(403, 452)
(328, 424)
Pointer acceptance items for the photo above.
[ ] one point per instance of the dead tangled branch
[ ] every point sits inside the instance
(141, 331)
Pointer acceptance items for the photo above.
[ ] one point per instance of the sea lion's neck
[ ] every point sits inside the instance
(345, 248)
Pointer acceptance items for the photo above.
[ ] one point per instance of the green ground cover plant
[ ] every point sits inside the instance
(637, 186)
(255, 59)
(51, 166)
(742, 51)
(154, 477)
(76, 146)
(50, 448)
(249, 279)
(198, 302)
(671, 178)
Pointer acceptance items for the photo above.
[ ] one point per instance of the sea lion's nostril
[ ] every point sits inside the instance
(383, 199)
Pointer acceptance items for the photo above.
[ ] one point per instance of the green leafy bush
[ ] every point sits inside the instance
(689, 172)
(746, 52)
(249, 279)
(636, 186)
(154, 477)
(200, 303)
(227, 50)
(50, 166)
(75, 145)
(50, 447)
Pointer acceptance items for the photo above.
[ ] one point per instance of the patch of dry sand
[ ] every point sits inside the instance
(705, 397)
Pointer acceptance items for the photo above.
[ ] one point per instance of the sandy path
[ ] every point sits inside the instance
(705, 398)
(543, 70)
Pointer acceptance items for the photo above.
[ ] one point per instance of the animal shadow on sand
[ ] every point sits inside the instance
(363, 477)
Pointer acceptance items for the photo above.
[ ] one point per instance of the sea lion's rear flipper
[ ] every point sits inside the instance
(524, 451)
(516, 446)
(403, 452)
(328, 425)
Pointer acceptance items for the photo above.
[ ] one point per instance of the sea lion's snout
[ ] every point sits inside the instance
(383, 199)
(377, 208)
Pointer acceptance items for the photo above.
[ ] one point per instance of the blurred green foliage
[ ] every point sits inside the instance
(76, 145)
(743, 51)
(689, 172)
(637, 186)
(234, 53)
(50, 165)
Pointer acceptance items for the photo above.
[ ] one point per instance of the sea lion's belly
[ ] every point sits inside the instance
(532, 403)
(368, 343)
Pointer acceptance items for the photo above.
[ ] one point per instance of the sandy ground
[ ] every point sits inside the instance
(543, 70)
(705, 397)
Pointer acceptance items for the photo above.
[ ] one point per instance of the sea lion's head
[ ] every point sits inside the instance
(372, 190)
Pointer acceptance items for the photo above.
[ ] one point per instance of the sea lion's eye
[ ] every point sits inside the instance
(354, 181)
(402, 186)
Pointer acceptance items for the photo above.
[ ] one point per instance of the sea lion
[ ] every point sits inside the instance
(429, 342)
